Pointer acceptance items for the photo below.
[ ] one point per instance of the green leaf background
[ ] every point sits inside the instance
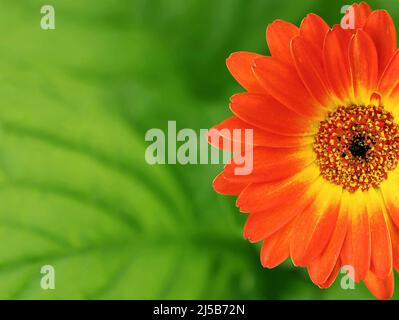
(75, 191)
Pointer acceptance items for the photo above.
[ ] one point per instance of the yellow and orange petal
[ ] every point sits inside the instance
(323, 110)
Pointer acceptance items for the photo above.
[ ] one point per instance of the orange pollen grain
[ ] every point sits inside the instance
(356, 146)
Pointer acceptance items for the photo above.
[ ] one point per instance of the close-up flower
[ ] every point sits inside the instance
(324, 110)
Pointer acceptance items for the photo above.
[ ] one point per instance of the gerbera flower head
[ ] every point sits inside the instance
(324, 110)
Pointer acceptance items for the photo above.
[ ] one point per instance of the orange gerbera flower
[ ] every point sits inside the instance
(324, 109)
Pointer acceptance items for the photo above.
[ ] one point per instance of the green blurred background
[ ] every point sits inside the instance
(75, 192)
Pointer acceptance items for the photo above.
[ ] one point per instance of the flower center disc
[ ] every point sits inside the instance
(357, 146)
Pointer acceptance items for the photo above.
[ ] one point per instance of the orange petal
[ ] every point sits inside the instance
(278, 36)
(331, 278)
(381, 246)
(265, 196)
(356, 251)
(314, 29)
(362, 12)
(375, 99)
(271, 164)
(282, 82)
(276, 249)
(224, 186)
(222, 135)
(265, 112)
(309, 65)
(382, 289)
(381, 29)
(394, 234)
(320, 269)
(314, 226)
(240, 66)
(262, 225)
(391, 102)
(390, 193)
(389, 190)
(336, 62)
(389, 79)
(364, 65)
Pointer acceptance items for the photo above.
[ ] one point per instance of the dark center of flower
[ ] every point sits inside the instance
(356, 146)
